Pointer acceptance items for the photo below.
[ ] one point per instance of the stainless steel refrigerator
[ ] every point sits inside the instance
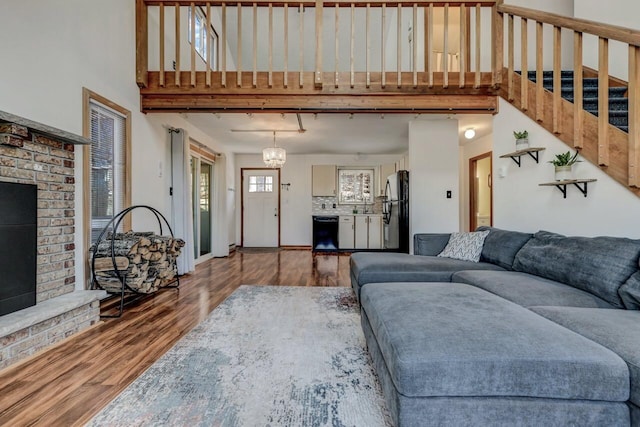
(395, 209)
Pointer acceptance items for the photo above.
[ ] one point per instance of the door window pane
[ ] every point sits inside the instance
(260, 184)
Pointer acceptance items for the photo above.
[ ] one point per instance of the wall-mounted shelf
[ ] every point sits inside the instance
(515, 156)
(581, 184)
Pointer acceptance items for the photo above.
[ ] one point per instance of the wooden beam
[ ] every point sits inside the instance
(142, 44)
(510, 58)
(323, 103)
(578, 113)
(476, 82)
(346, 3)
(498, 45)
(634, 116)
(603, 102)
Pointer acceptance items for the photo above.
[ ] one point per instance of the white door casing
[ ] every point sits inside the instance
(261, 211)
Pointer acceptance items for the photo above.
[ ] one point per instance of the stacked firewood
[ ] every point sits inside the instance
(146, 261)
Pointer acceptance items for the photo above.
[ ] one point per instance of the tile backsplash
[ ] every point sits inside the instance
(317, 202)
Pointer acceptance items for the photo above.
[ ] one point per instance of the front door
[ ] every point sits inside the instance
(260, 208)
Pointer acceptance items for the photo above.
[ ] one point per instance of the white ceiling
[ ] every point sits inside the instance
(326, 133)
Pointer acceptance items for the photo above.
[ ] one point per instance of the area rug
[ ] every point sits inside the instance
(267, 356)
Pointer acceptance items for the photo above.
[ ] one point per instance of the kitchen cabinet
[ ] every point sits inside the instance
(346, 232)
(368, 232)
(323, 180)
(385, 171)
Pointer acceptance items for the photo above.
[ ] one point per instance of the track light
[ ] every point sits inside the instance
(470, 133)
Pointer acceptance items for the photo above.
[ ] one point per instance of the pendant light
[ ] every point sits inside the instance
(274, 157)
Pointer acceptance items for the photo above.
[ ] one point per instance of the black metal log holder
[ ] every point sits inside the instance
(113, 225)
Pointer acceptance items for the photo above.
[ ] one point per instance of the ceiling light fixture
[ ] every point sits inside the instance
(274, 157)
(470, 133)
(350, 116)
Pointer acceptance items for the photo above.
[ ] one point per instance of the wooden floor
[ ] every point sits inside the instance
(69, 383)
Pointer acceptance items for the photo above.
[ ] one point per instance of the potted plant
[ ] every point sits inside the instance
(522, 140)
(563, 163)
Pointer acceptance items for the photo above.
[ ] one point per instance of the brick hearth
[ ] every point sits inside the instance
(32, 153)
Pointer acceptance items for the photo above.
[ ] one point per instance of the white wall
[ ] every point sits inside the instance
(434, 154)
(295, 216)
(623, 13)
(467, 151)
(89, 44)
(520, 204)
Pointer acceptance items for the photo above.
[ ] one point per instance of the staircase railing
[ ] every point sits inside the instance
(324, 48)
(620, 160)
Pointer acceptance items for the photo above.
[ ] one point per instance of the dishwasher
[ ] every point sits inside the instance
(325, 233)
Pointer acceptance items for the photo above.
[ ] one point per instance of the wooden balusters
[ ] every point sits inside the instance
(399, 46)
(270, 76)
(476, 83)
(429, 44)
(634, 116)
(539, 72)
(192, 25)
(318, 72)
(142, 45)
(368, 47)
(578, 114)
(415, 44)
(161, 45)
(337, 55)
(382, 43)
(239, 59)
(352, 54)
(463, 46)
(445, 48)
(285, 76)
(603, 102)
(497, 50)
(557, 78)
(209, 49)
(223, 45)
(301, 40)
(254, 76)
(178, 43)
(524, 91)
(510, 59)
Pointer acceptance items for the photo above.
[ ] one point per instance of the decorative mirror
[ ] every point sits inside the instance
(355, 186)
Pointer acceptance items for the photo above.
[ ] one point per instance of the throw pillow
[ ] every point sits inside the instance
(465, 246)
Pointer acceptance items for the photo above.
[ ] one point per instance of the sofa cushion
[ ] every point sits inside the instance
(501, 246)
(528, 290)
(618, 330)
(465, 246)
(430, 243)
(372, 267)
(599, 265)
(451, 339)
(630, 292)
(635, 414)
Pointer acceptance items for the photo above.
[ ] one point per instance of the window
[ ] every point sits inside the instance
(206, 41)
(106, 163)
(260, 184)
(355, 186)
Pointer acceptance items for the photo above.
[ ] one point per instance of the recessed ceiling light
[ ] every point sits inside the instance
(470, 133)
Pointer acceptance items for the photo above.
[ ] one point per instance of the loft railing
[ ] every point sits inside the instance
(322, 48)
(615, 151)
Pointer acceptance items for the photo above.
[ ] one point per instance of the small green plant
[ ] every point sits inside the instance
(565, 159)
(521, 135)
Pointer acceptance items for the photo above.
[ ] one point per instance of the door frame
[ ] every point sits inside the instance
(472, 197)
(196, 213)
(242, 201)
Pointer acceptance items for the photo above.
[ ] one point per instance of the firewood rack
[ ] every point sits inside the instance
(112, 226)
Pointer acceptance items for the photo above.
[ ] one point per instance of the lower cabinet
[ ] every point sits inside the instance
(368, 232)
(346, 232)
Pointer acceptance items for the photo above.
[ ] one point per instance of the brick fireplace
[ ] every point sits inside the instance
(32, 153)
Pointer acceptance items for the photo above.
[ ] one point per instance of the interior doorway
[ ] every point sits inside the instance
(480, 191)
(260, 208)
(201, 197)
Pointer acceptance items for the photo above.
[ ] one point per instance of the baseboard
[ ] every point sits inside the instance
(295, 247)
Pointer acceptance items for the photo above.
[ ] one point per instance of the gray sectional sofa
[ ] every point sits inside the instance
(543, 330)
